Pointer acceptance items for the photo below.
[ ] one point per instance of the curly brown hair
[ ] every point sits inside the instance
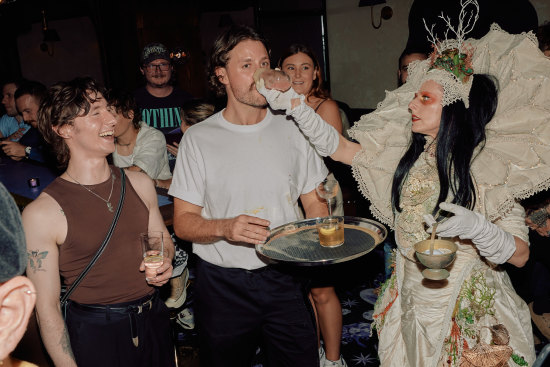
(220, 52)
(64, 102)
(124, 103)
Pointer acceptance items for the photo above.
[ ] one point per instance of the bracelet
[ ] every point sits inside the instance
(156, 182)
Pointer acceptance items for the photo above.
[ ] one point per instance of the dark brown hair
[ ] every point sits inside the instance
(123, 103)
(220, 52)
(64, 102)
(317, 88)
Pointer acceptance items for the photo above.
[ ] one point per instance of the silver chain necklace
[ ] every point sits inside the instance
(108, 201)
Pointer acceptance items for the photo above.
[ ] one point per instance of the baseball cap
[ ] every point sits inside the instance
(12, 238)
(154, 51)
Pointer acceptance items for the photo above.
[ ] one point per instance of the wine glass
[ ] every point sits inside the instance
(328, 189)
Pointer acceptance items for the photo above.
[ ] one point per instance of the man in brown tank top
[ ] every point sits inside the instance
(114, 316)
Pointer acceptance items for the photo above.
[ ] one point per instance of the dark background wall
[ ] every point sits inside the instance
(103, 38)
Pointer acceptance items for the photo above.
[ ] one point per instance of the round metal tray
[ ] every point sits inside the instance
(298, 242)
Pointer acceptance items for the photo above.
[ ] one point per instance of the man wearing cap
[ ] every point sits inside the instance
(17, 293)
(159, 101)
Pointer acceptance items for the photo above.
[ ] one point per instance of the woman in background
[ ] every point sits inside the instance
(192, 113)
(301, 65)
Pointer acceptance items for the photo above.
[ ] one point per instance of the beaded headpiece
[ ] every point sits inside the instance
(450, 62)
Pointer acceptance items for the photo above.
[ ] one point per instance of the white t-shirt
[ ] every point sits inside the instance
(258, 170)
(149, 154)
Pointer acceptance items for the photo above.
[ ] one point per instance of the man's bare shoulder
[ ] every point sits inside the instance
(140, 180)
(143, 185)
(43, 212)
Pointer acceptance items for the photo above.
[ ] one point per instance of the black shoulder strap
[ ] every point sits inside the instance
(105, 241)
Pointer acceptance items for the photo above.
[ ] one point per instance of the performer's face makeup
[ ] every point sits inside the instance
(426, 109)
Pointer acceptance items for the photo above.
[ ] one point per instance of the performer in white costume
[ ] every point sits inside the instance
(439, 142)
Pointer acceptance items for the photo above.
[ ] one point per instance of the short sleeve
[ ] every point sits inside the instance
(188, 181)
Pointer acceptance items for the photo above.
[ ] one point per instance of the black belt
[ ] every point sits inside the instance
(141, 305)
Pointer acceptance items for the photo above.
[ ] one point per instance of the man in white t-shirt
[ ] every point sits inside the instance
(237, 173)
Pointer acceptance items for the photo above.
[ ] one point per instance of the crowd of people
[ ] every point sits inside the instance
(442, 153)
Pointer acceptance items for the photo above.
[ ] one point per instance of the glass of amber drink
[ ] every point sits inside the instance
(331, 231)
(152, 246)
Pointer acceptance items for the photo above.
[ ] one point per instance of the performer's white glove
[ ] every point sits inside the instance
(493, 243)
(321, 134)
(279, 100)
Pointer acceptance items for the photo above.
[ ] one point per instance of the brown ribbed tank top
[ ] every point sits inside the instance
(115, 277)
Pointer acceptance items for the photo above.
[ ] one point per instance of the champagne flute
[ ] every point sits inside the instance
(328, 189)
(152, 246)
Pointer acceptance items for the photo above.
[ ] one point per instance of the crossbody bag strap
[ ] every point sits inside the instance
(105, 241)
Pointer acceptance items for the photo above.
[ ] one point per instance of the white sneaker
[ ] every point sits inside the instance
(338, 363)
(322, 357)
(178, 291)
(186, 319)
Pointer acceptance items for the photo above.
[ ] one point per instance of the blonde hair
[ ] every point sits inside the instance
(196, 111)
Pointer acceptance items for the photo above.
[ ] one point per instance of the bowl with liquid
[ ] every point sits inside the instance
(443, 255)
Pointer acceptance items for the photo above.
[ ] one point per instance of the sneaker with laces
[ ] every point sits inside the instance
(186, 319)
(338, 363)
(178, 292)
(322, 357)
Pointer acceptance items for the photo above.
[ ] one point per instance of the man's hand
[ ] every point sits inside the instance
(539, 220)
(17, 135)
(164, 273)
(246, 228)
(13, 149)
(173, 148)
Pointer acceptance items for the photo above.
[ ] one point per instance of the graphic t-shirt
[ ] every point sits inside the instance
(161, 113)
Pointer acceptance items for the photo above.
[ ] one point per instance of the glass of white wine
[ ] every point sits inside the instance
(328, 189)
(152, 246)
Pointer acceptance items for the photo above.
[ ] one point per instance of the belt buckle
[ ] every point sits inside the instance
(141, 307)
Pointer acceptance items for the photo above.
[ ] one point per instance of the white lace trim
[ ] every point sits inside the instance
(515, 162)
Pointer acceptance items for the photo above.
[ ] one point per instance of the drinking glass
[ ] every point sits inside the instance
(273, 79)
(327, 190)
(331, 231)
(152, 246)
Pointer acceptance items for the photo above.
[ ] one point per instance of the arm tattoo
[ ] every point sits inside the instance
(66, 343)
(35, 260)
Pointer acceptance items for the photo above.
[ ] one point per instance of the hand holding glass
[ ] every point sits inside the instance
(327, 190)
(152, 246)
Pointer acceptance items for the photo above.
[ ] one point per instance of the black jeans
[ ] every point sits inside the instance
(238, 310)
(102, 336)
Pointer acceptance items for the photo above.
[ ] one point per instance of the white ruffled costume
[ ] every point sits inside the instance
(426, 323)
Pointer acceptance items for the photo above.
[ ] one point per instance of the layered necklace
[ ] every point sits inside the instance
(108, 201)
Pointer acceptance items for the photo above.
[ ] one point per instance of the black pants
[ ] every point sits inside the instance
(238, 310)
(104, 337)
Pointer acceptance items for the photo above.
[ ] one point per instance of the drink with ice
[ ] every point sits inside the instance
(331, 231)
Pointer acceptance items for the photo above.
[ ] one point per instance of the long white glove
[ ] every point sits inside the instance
(279, 100)
(493, 243)
(321, 134)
